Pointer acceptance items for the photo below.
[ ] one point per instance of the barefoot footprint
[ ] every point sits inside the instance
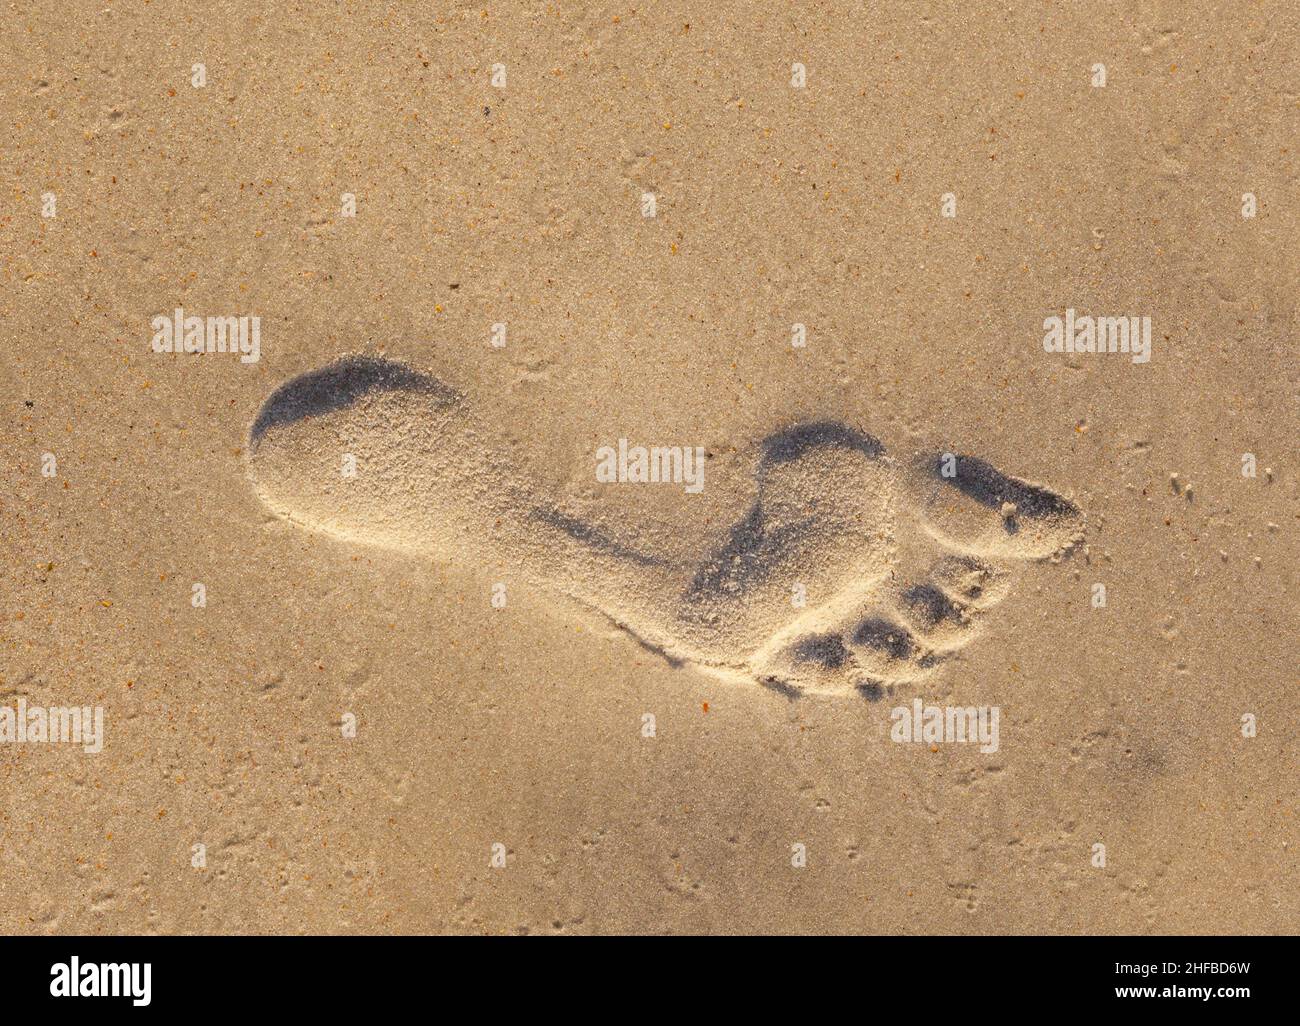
(899, 561)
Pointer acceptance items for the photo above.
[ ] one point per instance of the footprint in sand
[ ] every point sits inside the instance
(899, 559)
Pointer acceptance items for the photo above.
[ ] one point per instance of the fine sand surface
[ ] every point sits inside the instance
(381, 648)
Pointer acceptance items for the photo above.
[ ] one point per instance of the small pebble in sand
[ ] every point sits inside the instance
(1008, 510)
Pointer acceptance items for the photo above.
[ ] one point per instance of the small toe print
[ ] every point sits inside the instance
(889, 638)
(929, 604)
(873, 690)
(826, 650)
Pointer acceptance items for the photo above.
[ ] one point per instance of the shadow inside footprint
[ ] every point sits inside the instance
(337, 387)
(590, 535)
(884, 637)
(825, 650)
(756, 542)
(931, 606)
(986, 512)
(988, 486)
(796, 441)
(873, 690)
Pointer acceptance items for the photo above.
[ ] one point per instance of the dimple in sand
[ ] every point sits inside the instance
(898, 559)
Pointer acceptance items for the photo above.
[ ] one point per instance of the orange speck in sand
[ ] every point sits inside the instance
(706, 706)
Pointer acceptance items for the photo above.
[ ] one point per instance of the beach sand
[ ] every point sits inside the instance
(388, 638)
